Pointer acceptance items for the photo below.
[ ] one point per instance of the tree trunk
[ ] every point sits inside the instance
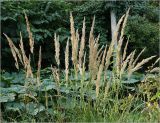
(113, 24)
(113, 29)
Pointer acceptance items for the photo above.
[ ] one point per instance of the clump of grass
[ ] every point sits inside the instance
(82, 45)
(74, 42)
(105, 95)
(67, 60)
(56, 76)
(21, 55)
(57, 49)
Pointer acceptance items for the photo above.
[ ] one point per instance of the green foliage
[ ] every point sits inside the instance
(102, 25)
(45, 17)
(138, 26)
(23, 100)
(21, 97)
(48, 17)
(143, 20)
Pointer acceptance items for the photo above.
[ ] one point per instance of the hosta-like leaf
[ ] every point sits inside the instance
(7, 97)
(18, 80)
(4, 90)
(86, 77)
(68, 103)
(34, 108)
(64, 90)
(47, 85)
(130, 88)
(17, 89)
(50, 111)
(15, 106)
(8, 18)
(91, 94)
(130, 81)
(15, 78)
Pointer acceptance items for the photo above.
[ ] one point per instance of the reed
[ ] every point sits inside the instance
(156, 69)
(124, 23)
(39, 66)
(130, 64)
(29, 72)
(135, 61)
(57, 49)
(82, 45)
(74, 42)
(55, 73)
(67, 60)
(118, 56)
(31, 39)
(140, 64)
(112, 44)
(100, 50)
(20, 54)
(156, 61)
(124, 64)
(84, 62)
(93, 46)
(101, 67)
(26, 61)
(125, 51)
(12, 47)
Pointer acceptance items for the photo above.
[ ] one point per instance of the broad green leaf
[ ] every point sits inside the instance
(15, 106)
(7, 97)
(47, 84)
(130, 81)
(64, 90)
(34, 108)
(17, 88)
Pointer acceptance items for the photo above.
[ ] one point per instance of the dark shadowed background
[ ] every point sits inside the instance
(49, 17)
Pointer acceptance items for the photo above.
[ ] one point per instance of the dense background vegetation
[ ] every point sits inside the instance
(48, 17)
(100, 86)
